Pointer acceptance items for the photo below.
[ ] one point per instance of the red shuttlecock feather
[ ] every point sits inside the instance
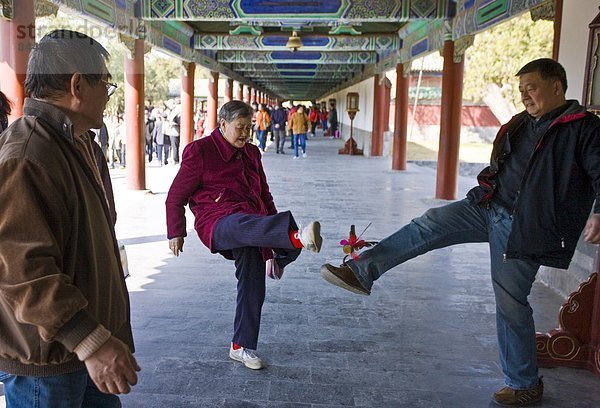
(353, 244)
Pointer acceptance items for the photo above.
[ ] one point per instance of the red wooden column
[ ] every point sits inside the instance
(252, 95)
(400, 119)
(247, 94)
(239, 95)
(451, 104)
(187, 104)
(212, 101)
(228, 90)
(135, 172)
(378, 115)
(18, 38)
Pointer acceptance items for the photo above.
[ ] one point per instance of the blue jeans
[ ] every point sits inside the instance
(262, 140)
(73, 390)
(299, 138)
(458, 223)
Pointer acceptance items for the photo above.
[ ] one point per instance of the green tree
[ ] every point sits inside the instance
(497, 54)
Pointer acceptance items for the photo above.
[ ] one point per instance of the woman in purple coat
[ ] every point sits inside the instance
(222, 180)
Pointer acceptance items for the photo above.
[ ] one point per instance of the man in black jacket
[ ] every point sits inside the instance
(531, 205)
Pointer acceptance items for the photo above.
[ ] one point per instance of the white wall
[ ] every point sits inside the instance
(574, 34)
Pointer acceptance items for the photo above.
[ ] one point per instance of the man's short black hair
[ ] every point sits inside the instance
(59, 55)
(548, 69)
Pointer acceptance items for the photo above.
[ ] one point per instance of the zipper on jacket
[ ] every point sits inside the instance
(504, 258)
(562, 242)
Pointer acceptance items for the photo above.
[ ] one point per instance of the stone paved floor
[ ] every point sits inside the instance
(425, 338)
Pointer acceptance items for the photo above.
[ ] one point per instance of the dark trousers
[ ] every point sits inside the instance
(244, 236)
(175, 148)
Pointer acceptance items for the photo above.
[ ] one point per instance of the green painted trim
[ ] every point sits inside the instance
(501, 7)
(344, 30)
(100, 10)
(246, 29)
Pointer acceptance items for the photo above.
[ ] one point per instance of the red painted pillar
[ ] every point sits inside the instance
(212, 101)
(451, 106)
(378, 115)
(228, 90)
(252, 95)
(134, 117)
(18, 38)
(187, 105)
(400, 119)
(247, 95)
(239, 91)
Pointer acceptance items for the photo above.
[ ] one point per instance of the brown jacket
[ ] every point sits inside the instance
(299, 123)
(60, 271)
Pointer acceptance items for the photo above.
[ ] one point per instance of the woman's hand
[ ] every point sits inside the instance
(176, 245)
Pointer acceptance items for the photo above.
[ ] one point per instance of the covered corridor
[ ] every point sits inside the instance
(426, 335)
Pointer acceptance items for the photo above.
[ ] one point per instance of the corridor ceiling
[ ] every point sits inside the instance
(343, 41)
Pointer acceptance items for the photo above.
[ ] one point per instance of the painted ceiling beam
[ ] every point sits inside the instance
(299, 12)
(297, 57)
(299, 67)
(277, 42)
(171, 37)
(257, 76)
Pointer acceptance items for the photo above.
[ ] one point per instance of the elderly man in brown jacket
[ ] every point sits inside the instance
(65, 332)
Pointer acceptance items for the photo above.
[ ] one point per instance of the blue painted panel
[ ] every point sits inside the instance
(294, 73)
(275, 41)
(315, 41)
(299, 55)
(468, 4)
(171, 45)
(122, 4)
(419, 48)
(290, 6)
(296, 66)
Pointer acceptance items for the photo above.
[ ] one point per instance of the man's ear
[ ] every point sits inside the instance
(75, 86)
(558, 87)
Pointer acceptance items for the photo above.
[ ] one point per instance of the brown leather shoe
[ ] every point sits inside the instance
(343, 277)
(507, 397)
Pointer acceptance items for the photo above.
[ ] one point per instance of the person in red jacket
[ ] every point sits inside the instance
(223, 181)
(314, 117)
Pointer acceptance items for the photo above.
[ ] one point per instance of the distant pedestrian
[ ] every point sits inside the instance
(263, 121)
(333, 121)
(278, 120)
(223, 181)
(299, 125)
(314, 118)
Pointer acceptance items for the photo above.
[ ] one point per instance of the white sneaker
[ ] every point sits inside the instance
(295, 157)
(274, 271)
(247, 357)
(304, 155)
(311, 237)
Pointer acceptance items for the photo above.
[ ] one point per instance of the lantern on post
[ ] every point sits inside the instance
(351, 108)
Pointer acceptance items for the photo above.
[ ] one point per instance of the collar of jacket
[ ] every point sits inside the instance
(50, 114)
(225, 149)
(574, 112)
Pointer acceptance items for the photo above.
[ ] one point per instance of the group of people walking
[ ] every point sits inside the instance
(65, 333)
(296, 122)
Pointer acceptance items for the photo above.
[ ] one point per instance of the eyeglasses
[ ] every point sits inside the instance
(110, 88)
